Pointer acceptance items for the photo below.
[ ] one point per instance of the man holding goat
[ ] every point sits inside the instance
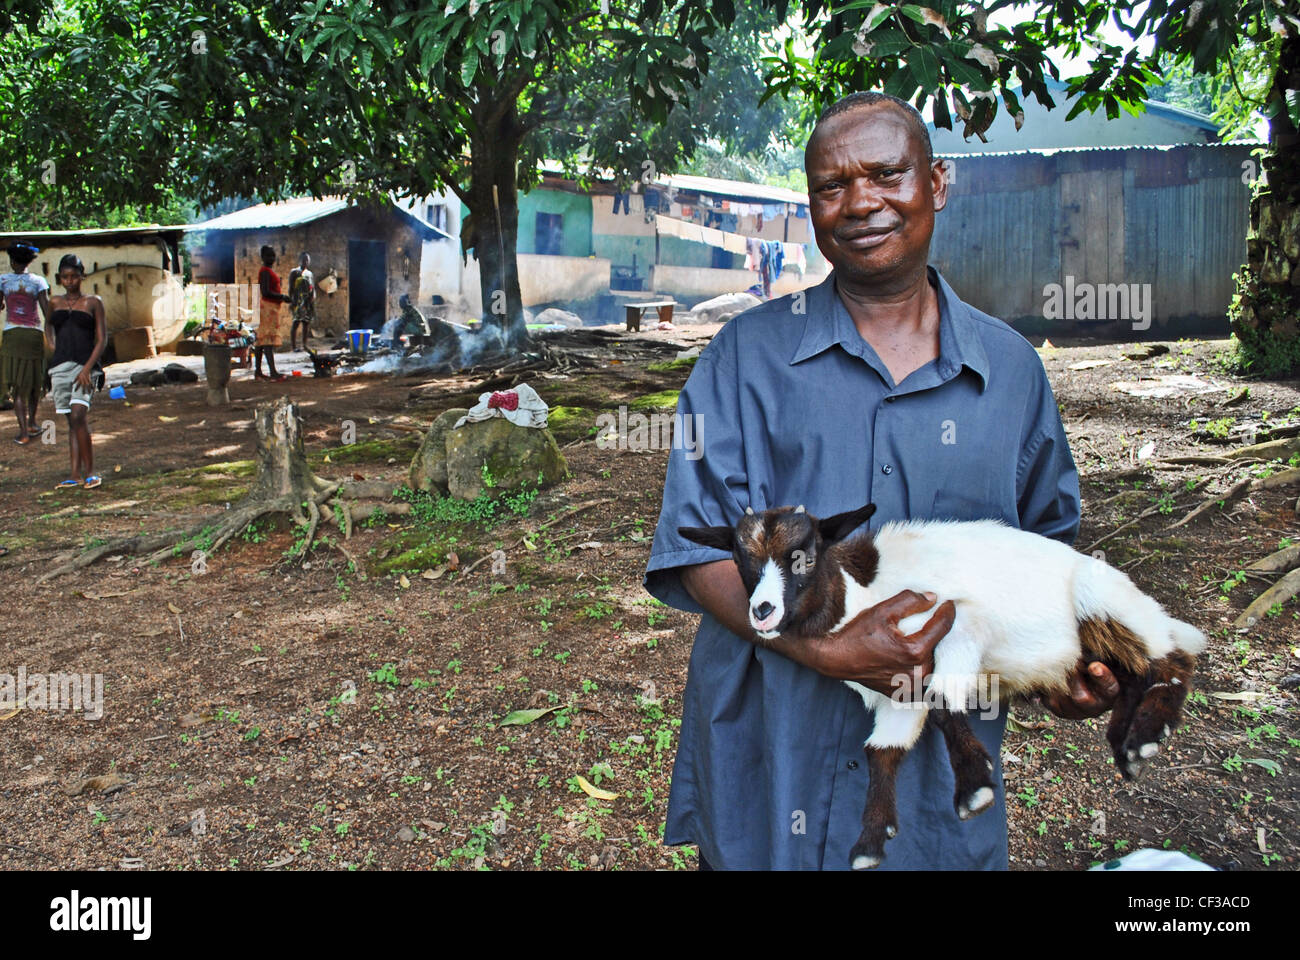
(879, 385)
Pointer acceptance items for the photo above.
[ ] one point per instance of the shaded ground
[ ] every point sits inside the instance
(321, 720)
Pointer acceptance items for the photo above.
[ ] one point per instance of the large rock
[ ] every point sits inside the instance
(721, 308)
(450, 462)
(429, 466)
(556, 315)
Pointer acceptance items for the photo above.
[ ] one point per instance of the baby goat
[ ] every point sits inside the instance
(1027, 609)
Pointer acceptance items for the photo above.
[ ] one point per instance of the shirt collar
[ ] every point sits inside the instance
(828, 323)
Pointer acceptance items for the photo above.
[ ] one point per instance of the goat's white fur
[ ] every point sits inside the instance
(1019, 599)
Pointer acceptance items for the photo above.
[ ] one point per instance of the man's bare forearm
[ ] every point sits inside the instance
(717, 588)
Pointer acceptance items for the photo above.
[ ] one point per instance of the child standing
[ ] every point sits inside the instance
(25, 299)
(80, 336)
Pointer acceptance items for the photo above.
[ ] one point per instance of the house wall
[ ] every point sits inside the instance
(1173, 221)
(692, 285)
(575, 208)
(327, 242)
(545, 279)
(136, 288)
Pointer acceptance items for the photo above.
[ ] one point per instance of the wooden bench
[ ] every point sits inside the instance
(635, 311)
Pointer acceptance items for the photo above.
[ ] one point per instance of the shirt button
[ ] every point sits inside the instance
(886, 469)
(853, 764)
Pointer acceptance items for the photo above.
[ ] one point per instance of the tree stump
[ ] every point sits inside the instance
(285, 483)
(216, 368)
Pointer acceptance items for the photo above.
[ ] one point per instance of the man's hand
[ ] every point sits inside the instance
(83, 378)
(1093, 691)
(872, 651)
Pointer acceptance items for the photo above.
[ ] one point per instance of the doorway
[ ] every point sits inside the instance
(367, 284)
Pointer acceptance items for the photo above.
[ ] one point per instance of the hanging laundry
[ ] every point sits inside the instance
(622, 199)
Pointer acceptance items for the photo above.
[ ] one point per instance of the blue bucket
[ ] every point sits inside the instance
(359, 340)
(117, 393)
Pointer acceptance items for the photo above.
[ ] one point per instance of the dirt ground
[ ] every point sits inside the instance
(261, 713)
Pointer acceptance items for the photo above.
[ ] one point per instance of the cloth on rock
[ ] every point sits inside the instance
(521, 406)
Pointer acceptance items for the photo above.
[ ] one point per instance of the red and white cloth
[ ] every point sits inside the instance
(521, 406)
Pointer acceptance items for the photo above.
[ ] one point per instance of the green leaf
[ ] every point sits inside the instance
(925, 65)
(519, 718)
(901, 83)
(1270, 765)
(468, 67)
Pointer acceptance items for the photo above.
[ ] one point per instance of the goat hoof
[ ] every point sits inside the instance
(1148, 750)
(864, 861)
(977, 802)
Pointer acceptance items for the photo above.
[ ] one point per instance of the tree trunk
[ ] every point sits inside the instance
(1266, 312)
(494, 156)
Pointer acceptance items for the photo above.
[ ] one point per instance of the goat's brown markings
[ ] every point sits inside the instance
(1112, 643)
(971, 765)
(879, 817)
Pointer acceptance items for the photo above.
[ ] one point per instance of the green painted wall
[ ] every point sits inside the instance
(620, 249)
(574, 208)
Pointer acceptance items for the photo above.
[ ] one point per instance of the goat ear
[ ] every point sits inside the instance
(723, 538)
(836, 528)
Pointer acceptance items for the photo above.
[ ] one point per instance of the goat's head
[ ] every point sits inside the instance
(777, 552)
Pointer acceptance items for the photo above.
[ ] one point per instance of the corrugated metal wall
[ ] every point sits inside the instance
(1174, 219)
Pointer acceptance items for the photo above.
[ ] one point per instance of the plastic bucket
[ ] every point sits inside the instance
(359, 340)
(117, 393)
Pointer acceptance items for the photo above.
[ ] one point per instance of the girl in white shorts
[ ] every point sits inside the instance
(80, 336)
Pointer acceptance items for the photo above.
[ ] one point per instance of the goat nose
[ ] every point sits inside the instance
(763, 610)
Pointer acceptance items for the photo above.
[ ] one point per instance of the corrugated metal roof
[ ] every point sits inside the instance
(734, 188)
(296, 212)
(1048, 151)
(103, 233)
(739, 189)
(282, 213)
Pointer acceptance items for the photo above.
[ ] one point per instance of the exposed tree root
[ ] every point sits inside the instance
(1243, 486)
(1283, 560)
(283, 484)
(1276, 595)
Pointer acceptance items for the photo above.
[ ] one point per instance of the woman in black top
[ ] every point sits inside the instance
(80, 336)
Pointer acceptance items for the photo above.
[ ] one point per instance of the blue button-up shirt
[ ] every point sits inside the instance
(791, 405)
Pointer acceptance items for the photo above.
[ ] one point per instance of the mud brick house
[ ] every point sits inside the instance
(375, 251)
(138, 272)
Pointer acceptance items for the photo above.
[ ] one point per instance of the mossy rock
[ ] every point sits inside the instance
(429, 466)
(490, 454)
(497, 454)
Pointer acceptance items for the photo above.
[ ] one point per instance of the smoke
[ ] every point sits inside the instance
(475, 346)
